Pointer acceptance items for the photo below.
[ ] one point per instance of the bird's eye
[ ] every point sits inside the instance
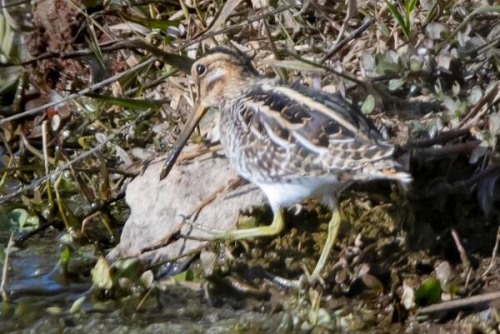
(200, 69)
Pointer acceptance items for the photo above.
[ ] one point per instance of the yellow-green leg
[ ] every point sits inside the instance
(264, 231)
(315, 277)
(333, 230)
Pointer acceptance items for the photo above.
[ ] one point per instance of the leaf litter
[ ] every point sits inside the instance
(425, 72)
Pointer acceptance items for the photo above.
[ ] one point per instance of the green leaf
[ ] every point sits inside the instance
(395, 84)
(127, 103)
(77, 305)
(398, 17)
(129, 268)
(187, 276)
(54, 310)
(368, 105)
(6, 40)
(388, 63)
(20, 220)
(410, 6)
(101, 275)
(93, 44)
(429, 292)
(65, 257)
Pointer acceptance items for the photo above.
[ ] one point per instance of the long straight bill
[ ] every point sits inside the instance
(198, 113)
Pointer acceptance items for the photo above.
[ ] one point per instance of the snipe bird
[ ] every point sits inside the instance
(290, 140)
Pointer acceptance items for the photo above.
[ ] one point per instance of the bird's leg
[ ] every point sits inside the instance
(333, 230)
(276, 227)
(315, 277)
(263, 231)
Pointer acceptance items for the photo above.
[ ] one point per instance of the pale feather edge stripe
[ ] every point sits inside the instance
(304, 99)
(262, 108)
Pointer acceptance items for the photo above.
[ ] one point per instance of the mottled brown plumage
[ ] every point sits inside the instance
(291, 141)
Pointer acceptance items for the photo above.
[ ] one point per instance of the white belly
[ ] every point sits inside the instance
(284, 194)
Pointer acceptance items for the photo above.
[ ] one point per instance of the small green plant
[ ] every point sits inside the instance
(403, 16)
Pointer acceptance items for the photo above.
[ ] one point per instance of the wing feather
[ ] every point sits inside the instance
(294, 130)
(326, 122)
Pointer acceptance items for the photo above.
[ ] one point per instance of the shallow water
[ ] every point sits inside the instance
(41, 300)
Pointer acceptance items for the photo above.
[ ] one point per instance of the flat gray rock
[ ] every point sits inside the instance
(158, 207)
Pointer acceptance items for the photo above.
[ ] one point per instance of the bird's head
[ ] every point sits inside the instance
(220, 75)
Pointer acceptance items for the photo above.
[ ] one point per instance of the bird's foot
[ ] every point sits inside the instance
(210, 232)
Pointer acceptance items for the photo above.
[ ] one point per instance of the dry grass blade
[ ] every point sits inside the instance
(346, 40)
(249, 20)
(461, 303)
(5, 268)
(222, 16)
(77, 167)
(70, 97)
(84, 155)
(480, 10)
(491, 98)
